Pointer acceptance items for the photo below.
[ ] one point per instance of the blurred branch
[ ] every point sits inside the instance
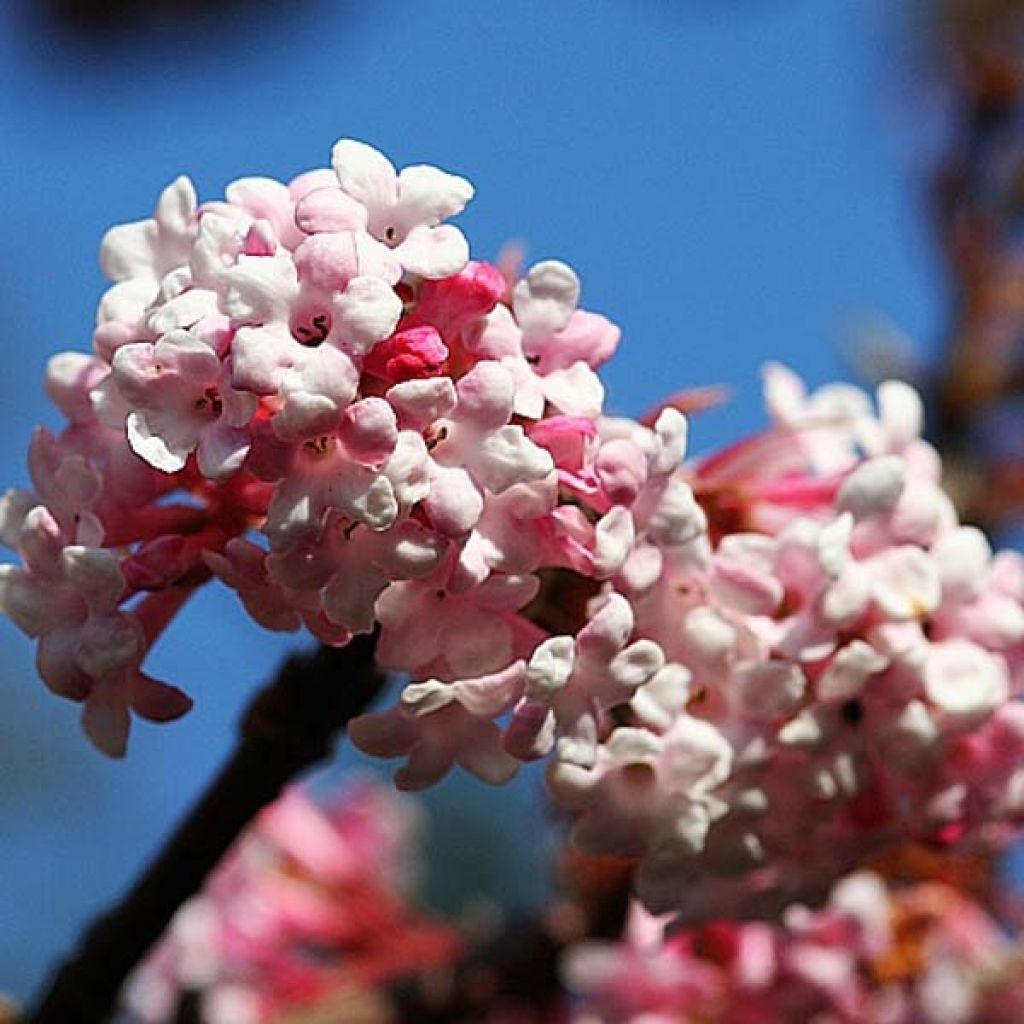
(291, 724)
(115, 16)
(978, 208)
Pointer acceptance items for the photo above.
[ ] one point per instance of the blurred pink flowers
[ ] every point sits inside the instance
(312, 903)
(924, 954)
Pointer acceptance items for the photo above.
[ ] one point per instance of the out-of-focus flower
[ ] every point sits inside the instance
(925, 954)
(310, 907)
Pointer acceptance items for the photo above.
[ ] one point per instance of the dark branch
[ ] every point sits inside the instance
(291, 724)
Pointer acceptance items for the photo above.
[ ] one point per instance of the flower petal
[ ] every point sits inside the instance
(434, 252)
(546, 298)
(365, 174)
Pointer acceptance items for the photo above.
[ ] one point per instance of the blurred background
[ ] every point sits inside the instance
(734, 180)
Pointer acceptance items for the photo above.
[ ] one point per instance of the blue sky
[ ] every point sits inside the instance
(731, 180)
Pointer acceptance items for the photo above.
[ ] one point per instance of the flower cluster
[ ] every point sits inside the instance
(320, 368)
(926, 954)
(798, 657)
(748, 672)
(311, 904)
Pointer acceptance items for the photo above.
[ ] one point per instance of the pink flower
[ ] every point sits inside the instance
(922, 954)
(557, 335)
(153, 247)
(405, 210)
(89, 651)
(470, 632)
(311, 904)
(182, 402)
(438, 725)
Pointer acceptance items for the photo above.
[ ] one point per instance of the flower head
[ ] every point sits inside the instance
(747, 672)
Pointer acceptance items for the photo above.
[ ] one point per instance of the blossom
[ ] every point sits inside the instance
(924, 953)
(262, 367)
(780, 673)
(405, 210)
(311, 904)
(68, 596)
(748, 670)
(182, 402)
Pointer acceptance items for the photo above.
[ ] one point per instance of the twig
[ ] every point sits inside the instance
(291, 724)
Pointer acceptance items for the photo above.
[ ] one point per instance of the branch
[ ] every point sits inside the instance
(290, 725)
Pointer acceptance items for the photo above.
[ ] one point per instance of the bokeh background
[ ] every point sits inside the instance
(734, 180)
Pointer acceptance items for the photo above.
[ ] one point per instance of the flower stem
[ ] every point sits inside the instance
(290, 725)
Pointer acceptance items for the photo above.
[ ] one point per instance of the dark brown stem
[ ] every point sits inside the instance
(291, 724)
(514, 973)
(189, 1010)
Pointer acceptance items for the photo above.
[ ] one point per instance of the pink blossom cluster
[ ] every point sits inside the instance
(925, 954)
(748, 672)
(798, 657)
(312, 903)
(309, 391)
